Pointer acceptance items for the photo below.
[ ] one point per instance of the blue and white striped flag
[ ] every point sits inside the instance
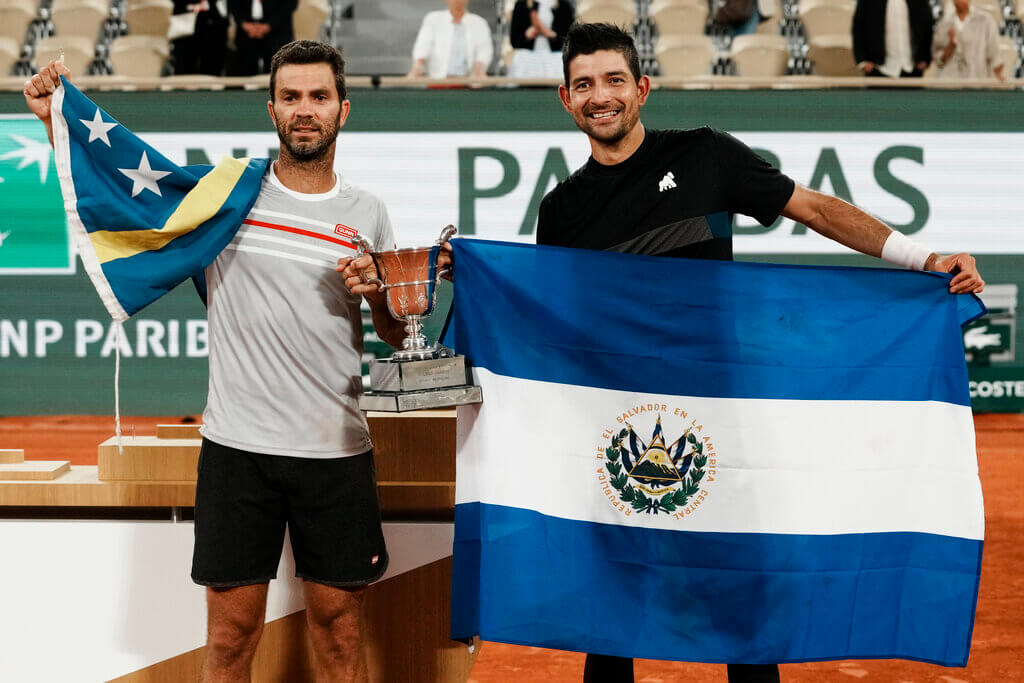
(716, 462)
(142, 224)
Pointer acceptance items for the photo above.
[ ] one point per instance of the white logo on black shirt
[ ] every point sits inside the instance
(667, 183)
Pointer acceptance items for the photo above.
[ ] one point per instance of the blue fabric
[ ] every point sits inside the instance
(713, 329)
(711, 597)
(103, 202)
(709, 328)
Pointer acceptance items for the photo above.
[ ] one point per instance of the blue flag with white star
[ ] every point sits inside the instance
(141, 223)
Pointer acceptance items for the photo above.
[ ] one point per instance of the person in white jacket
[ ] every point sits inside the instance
(452, 43)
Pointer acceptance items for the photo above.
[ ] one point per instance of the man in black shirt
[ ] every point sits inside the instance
(673, 193)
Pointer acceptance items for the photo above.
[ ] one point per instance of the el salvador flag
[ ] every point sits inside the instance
(714, 462)
(142, 224)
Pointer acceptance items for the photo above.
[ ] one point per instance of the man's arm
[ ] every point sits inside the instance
(421, 48)
(484, 51)
(39, 91)
(855, 229)
(356, 271)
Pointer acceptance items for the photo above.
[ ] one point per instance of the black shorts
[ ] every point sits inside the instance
(244, 501)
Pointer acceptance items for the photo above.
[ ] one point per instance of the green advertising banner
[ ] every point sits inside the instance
(33, 237)
(942, 166)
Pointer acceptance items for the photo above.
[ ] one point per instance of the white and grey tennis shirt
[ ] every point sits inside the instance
(286, 336)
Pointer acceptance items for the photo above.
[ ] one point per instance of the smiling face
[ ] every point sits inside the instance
(306, 110)
(603, 96)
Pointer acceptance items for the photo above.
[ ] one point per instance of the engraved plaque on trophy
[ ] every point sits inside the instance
(419, 375)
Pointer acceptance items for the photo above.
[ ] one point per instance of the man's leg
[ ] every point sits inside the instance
(333, 616)
(607, 669)
(234, 625)
(338, 544)
(239, 530)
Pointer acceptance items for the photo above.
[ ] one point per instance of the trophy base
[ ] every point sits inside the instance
(399, 402)
(406, 355)
(393, 375)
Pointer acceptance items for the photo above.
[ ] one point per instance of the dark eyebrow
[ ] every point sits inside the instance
(608, 74)
(317, 91)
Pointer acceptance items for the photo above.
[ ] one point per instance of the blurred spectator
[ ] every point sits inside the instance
(892, 37)
(536, 33)
(452, 42)
(203, 51)
(740, 16)
(966, 44)
(262, 27)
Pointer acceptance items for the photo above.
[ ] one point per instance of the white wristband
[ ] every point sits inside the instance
(903, 251)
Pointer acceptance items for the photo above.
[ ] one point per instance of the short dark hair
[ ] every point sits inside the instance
(309, 52)
(586, 39)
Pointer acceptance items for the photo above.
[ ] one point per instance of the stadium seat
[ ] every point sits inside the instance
(309, 19)
(15, 16)
(682, 56)
(587, 4)
(79, 52)
(832, 55)
(772, 13)
(679, 17)
(79, 17)
(138, 56)
(760, 55)
(10, 50)
(610, 11)
(149, 17)
(826, 17)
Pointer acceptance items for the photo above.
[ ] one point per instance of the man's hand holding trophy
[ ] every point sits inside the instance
(419, 375)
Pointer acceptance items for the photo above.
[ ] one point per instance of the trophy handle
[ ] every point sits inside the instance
(364, 248)
(363, 244)
(447, 233)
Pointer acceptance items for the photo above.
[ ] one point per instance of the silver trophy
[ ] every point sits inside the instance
(419, 375)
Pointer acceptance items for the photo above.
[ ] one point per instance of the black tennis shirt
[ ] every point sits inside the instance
(674, 196)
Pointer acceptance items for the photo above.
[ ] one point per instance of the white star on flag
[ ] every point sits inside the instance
(144, 177)
(98, 128)
(31, 152)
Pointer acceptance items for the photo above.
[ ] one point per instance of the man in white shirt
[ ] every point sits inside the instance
(966, 44)
(452, 43)
(284, 441)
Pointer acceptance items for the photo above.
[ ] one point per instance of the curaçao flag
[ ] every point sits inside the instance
(141, 224)
(716, 462)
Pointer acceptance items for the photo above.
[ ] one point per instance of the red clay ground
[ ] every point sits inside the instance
(997, 653)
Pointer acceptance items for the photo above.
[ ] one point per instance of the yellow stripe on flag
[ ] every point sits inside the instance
(199, 205)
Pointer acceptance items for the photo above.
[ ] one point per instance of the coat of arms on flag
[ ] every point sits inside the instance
(655, 477)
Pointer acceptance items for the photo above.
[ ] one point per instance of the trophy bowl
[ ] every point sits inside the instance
(409, 279)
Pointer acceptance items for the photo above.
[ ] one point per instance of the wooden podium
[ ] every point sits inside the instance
(406, 617)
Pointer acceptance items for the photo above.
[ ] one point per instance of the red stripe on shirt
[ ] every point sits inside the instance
(299, 231)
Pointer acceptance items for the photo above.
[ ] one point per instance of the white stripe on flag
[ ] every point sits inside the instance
(775, 466)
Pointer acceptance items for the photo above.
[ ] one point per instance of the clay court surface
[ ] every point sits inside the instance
(997, 653)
